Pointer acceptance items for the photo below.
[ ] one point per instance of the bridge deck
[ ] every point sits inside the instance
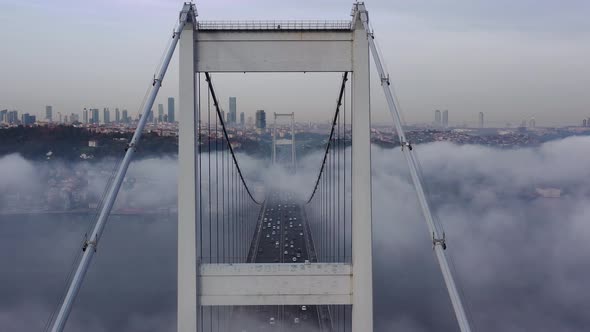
(282, 237)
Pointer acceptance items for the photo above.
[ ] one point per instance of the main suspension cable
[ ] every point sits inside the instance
(338, 104)
(216, 104)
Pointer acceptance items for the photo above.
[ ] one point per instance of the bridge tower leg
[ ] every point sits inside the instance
(187, 183)
(362, 256)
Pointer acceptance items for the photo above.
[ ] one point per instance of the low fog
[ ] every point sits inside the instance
(520, 258)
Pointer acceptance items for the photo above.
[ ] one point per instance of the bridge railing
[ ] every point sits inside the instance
(275, 25)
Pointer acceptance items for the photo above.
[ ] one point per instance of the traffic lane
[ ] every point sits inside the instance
(281, 240)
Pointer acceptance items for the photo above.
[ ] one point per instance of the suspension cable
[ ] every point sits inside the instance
(339, 103)
(438, 239)
(216, 104)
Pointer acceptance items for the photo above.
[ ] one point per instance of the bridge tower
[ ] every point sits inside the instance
(216, 47)
(291, 142)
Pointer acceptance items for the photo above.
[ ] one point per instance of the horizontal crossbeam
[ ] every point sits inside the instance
(272, 51)
(275, 284)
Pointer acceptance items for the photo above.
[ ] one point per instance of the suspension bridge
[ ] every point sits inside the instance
(270, 261)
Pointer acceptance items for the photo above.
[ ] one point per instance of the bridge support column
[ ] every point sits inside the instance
(362, 256)
(187, 183)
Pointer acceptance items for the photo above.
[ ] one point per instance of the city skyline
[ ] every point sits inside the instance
(487, 47)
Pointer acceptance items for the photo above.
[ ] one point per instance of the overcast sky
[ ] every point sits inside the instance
(512, 60)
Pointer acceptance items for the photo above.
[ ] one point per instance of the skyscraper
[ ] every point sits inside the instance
(232, 111)
(150, 116)
(584, 123)
(94, 112)
(125, 116)
(117, 115)
(28, 119)
(49, 113)
(437, 118)
(85, 115)
(160, 112)
(3, 115)
(445, 118)
(12, 117)
(171, 109)
(480, 119)
(260, 119)
(242, 119)
(106, 115)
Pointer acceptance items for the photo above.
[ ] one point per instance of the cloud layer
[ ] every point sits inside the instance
(520, 259)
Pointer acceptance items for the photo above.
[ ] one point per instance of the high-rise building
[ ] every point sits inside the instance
(94, 112)
(49, 113)
(260, 119)
(242, 119)
(588, 122)
(28, 119)
(232, 111)
(125, 116)
(584, 123)
(117, 115)
(480, 119)
(74, 118)
(160, 112)
(106, 115)
(3, 115)
(171, 109)
(85, 115)
(437, 118)
(445, 118)
(150, 116)
(12, 117)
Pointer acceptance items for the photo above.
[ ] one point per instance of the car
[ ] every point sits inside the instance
(303, 308)
(271, 321)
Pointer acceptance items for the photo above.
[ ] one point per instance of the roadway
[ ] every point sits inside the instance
(282, 237)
